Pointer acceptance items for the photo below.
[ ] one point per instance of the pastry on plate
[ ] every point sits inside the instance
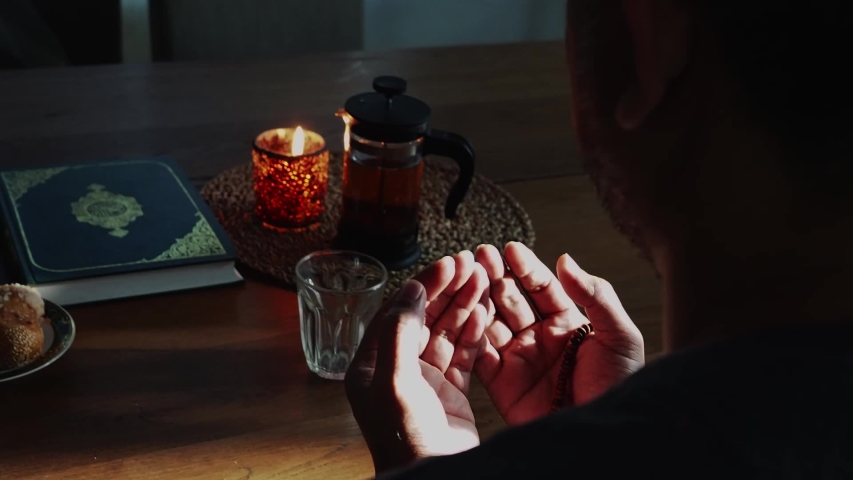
(21, 318)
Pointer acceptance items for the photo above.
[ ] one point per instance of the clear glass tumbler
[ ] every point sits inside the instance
(339, 293)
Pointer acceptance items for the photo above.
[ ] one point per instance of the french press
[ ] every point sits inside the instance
(387, 134)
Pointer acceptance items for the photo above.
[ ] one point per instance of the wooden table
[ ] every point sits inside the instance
(213, 384)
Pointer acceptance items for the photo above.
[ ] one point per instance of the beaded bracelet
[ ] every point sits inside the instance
(568, 365)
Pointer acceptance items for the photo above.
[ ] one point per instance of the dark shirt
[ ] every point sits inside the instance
(775, 406)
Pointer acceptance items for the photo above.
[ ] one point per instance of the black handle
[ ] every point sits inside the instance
(453, 146)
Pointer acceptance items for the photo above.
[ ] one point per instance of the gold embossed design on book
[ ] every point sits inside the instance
(108, 210)
(19, 183)
(201, 242)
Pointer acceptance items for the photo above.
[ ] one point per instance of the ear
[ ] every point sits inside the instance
(659, 31)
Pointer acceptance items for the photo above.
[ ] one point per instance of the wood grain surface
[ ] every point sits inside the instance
(213, 384)
(510, 101)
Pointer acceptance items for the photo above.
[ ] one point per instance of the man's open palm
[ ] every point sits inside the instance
(408, 380)
(521, 360)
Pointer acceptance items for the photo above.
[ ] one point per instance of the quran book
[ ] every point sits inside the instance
(102, 231)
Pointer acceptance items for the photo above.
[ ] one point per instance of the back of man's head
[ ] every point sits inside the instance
(700, 118)
(792, 60)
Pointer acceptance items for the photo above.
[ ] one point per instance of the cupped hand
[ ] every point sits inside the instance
(521, 359)
(407, 381)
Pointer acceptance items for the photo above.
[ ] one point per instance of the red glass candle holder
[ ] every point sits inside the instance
(290, 182)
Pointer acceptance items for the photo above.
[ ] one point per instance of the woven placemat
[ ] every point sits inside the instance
(487, 215)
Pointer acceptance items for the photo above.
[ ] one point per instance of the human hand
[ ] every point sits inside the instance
(407, 381)
(521, 360)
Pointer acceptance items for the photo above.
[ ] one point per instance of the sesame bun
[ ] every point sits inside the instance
(21, 317)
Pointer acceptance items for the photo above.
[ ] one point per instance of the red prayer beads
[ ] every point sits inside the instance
(568, 366)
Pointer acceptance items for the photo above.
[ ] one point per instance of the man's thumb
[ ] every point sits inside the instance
(399, 341)
(595, 295)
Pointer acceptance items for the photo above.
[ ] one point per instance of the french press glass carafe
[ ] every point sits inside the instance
(387, 135)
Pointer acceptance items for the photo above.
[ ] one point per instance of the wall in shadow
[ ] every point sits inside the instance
(393, 24)
(44, 33)
(90, 31)
(225, 29)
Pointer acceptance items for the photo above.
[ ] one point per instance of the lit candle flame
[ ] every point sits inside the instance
(297, 146)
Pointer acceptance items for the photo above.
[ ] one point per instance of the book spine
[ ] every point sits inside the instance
(14, 247)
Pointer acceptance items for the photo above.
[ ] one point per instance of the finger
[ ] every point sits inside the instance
(510, 304)
(463, 268)
(488, 363)
(499, 334)
(594, 294)
(484, 256)
(488, 304)
(425, 335)
(542, 286)
(399, 333)
(437, 277)
(490, 258)
(445, 332)
(467, 347)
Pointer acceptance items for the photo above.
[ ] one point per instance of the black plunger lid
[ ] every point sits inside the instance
(387, 115)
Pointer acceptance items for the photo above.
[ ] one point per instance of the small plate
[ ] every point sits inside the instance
(58, 335)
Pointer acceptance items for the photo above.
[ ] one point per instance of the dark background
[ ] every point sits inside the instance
(89, 31)
(46, 33)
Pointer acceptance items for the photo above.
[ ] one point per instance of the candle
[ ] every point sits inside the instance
(291, 170)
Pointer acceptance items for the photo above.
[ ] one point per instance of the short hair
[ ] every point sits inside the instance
(791, 59)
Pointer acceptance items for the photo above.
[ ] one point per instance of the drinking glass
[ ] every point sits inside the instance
(339, 293)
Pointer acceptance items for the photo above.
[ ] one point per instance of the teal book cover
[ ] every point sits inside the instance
(87, 220)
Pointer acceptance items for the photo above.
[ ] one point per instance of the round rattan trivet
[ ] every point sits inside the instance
(487, 215)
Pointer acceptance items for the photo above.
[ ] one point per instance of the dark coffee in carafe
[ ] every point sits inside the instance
(387, 135)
